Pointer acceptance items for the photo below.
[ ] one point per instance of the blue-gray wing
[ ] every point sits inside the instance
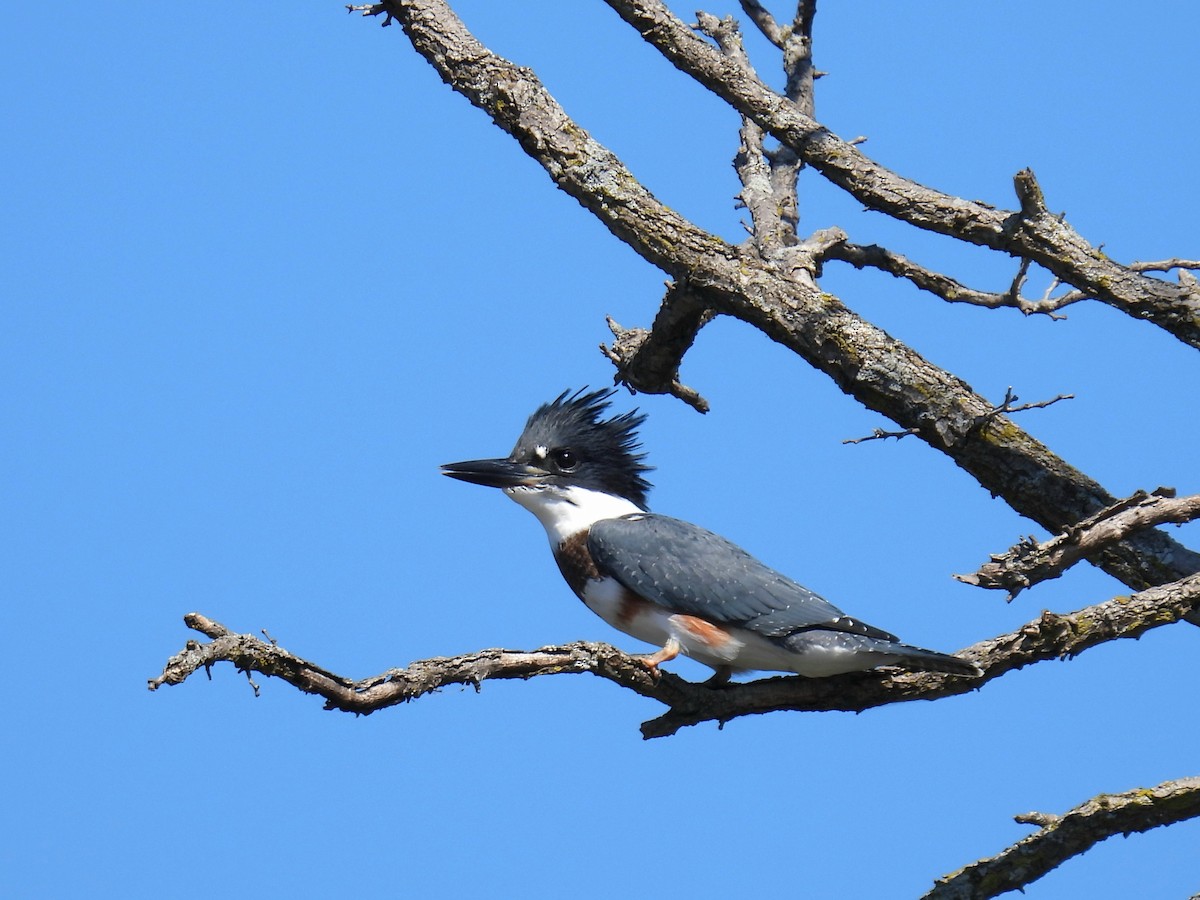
(686, 569)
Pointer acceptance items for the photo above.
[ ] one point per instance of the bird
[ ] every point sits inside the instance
(665, 581)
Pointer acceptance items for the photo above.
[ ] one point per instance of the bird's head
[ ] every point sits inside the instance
(568, 450)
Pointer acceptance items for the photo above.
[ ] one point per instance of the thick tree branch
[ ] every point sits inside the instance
(1032, 232)
(1068, 835)
(879, 371)
(1051, 636)
(1029, 562)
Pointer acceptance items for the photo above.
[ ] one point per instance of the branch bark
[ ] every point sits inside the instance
(1050, 636)
(1068, 835)
(1028, 562)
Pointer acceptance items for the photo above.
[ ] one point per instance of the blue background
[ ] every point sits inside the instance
(262, 272)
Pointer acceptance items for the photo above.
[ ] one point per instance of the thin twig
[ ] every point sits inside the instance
(1004, 407)
(1165, 265)
(879, 434)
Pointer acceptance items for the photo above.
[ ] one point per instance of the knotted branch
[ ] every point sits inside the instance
(648, 361)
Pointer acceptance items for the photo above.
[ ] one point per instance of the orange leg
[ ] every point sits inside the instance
(669, 651)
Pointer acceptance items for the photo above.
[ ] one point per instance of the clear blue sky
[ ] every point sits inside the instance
(262, 272)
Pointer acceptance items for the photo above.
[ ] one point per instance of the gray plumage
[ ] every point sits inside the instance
(687, 569)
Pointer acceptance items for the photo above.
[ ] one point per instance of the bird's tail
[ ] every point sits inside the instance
(918, 659)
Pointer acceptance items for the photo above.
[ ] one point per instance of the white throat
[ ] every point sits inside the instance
(564, 512)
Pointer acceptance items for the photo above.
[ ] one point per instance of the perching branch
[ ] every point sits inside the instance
(250, 653)
(1029, 562)
(1068, 835)
(1050, 636)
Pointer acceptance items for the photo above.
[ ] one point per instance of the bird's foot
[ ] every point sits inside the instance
(653, 660)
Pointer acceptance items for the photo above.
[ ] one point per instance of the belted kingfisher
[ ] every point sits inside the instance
(665, 581)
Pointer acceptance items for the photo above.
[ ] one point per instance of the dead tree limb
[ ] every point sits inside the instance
(1070, 834)
(952, 291)
(1032, 232)
(1029, 562)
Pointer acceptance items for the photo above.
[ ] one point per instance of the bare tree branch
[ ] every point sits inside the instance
(1028, 562)
(797, 59)
(772, 229)
(872, 255)
(1050, 636)
(1007, 404)
(363, 696)
(764, 21)
(1032, 232)
(1165, 265)
(880, 434)
(1068, 835)
(863, 360)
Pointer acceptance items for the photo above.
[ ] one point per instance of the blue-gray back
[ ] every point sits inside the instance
(687, 569)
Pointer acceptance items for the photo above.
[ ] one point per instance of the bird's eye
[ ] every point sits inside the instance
(564, 459)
